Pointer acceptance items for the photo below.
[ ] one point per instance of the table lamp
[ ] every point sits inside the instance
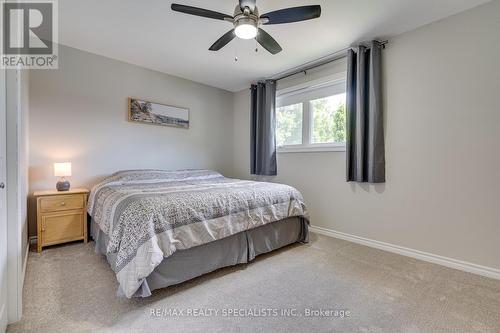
(62, 170)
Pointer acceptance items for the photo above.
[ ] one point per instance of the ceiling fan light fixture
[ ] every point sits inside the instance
(245, 28)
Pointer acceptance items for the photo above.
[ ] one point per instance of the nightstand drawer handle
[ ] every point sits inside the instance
(43, 227)
(63, 203)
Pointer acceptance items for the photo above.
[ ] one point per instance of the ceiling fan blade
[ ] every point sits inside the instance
(268, 42)
(221, 42)
(247, 3)
(199, 12)
(295, 14)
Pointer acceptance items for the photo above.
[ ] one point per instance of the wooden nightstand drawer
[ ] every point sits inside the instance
(62, 202)
(62, 227)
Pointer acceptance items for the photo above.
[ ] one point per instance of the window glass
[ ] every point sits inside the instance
(289, 125)
(328, 119)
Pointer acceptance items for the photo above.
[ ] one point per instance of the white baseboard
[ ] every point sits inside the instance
(3, 318)
(25, 263)
(425, 256)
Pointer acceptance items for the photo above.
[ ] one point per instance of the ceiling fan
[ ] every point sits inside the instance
(247, 22)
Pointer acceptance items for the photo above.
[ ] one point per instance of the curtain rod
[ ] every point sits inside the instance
(315, 63)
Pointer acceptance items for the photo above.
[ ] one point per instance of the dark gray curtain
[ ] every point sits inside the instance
(262, 133)
(365, 128)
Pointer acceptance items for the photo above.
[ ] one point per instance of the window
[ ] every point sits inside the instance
(312, 118)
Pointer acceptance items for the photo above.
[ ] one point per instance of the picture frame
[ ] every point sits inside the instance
(147, 112)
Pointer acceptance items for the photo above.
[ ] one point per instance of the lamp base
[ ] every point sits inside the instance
(62, 186)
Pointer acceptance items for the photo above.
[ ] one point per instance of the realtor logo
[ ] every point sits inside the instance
(29, 34)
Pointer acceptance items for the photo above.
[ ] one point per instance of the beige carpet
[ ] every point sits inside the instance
(71, 289)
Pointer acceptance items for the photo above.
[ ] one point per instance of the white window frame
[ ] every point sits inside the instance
(304, 93)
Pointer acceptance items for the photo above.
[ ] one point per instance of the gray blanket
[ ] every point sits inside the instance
(150, 214)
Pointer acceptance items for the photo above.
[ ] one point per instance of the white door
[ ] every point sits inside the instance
(3, 208)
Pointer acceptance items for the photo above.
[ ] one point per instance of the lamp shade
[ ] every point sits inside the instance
(62, 169)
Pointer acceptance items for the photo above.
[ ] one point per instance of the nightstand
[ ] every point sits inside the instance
(61, 216)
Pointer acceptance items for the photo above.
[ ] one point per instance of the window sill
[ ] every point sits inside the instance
(311, 149)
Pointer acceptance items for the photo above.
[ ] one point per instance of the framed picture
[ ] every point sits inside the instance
(158, 114)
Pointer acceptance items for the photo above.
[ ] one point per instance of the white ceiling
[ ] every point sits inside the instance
(149, 34)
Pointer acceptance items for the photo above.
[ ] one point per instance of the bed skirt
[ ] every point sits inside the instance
(240, 248)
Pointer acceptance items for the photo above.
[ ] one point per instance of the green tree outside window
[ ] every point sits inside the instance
(289, 125)
(329, 119)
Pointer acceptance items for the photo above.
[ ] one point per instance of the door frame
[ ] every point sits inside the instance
(4, 274)
(15, 259)
(14, 192)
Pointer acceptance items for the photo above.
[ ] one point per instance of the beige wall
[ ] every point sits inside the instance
(442, 106)
(442, 116)
(79, 114)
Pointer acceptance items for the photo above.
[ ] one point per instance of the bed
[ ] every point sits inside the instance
(158, 228)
